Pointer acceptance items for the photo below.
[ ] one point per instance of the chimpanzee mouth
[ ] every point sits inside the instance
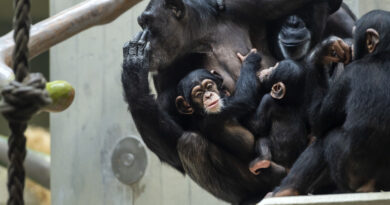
(213, 104)
(293, 43)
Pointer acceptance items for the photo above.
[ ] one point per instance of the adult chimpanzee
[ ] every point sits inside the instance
(293, 37)
(185, 35)
(352, 121)
(216, 170)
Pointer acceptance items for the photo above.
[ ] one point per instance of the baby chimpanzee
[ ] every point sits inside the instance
(215, 113)
(282, 121)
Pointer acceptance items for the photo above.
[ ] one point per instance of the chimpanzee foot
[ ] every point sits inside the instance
(368, 187)
(286, 192)
(256, 165)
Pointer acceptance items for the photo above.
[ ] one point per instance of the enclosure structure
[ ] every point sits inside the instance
(87, 134)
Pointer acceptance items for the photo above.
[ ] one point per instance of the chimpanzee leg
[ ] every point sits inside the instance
(260, 123)
(263, 150)
(220, 173)
(353, 159)
(304, 172)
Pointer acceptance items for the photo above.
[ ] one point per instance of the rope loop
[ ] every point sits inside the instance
(22, 100)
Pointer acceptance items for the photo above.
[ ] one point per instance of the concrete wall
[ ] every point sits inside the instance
(360, 7)
(84, 136)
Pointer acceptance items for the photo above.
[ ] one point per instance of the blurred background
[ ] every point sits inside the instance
(39, 11)
(37, 133)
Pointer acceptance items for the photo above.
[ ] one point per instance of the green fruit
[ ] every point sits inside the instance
(61, 93)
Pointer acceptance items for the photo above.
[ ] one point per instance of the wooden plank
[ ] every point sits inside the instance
(382, 198)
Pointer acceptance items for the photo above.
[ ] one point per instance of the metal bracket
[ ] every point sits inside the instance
(129, 160)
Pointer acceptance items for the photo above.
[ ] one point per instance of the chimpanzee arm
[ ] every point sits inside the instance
(159, 132)
(332, 112)
(331, 50)
(265, 9)
(245, 97)
(260, 123)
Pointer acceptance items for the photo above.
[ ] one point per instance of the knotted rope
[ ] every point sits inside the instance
(21, 99)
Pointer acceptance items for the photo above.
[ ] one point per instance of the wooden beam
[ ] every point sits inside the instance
(60, 27)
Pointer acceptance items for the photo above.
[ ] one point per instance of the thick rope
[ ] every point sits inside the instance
(17, 140)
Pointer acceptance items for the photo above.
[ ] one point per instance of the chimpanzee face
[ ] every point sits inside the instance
(294, 38)
(201, 92)
(166, 21)
(207, 97)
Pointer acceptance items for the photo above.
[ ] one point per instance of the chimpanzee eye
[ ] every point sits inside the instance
(209, 86)
(198, 94)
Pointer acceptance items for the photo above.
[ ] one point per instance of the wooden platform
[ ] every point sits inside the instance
(382, 198)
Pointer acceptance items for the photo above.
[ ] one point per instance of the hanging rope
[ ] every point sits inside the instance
(21, 99)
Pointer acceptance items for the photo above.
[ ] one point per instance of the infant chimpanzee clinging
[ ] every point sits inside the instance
(215, 113)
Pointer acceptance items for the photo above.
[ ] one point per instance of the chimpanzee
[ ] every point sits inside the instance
(215, 113)
(185, 35)
(352, 121)
(281, 121)
(294, 36)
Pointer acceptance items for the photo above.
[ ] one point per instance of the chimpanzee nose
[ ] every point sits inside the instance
(145, 19)
(208, 95)
(293, 21)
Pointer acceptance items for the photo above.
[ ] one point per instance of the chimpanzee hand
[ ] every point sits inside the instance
(335, 50)
(264, 74)
(136, 53)
(243, 58)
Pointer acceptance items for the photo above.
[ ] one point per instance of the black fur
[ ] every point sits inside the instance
(179, 44)
(351, 122)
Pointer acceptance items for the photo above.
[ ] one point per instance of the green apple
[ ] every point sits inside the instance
(61, 93)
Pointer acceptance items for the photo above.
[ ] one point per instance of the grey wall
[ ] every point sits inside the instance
(84, 135)
(360, 7)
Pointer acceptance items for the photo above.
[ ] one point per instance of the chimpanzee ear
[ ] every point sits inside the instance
(278, 91)
(227, 93)
(183, 106)
(372, 39)
(177, 7)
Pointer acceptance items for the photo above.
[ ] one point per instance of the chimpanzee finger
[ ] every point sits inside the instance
(339, 50)
(125, 49)
(329, 59)
(147, 52)
(348, 52)
(133, 43)
(143, 37)
(241, 57)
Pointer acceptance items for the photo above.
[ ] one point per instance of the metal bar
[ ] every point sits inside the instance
(37, 164)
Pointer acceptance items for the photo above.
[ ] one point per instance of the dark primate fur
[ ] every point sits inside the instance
(185, 35)
(352, 122)
(222, 128)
